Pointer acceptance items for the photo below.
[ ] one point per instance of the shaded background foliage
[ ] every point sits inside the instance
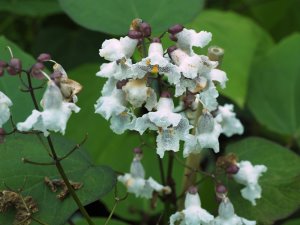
(262, 50)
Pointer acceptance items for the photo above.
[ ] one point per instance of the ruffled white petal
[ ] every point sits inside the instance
(227, 118)
(249, 175)
(209, 96)
(219, 76)
(189, 38)
(5, 103)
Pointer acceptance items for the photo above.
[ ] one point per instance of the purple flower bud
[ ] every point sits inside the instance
(137, 150)
(171, 49)
(192, 190)
(1, 71)
(189, 99)
(3, 64)
(14, 66)
(36, 71)
(145, 28)
(156, 40)
(232, 169)
(121, 83)
(43, 57)
(221, 189)
(173, 37)
(133, 34)
(165, 94)
(175, 29)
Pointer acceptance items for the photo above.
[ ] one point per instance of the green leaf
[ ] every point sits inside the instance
(97, 180)
(114, 17)
(10, 85)
(292, 222)
(243, 41)
(274, 82)
(101, 221)
(280, 184)
(31, 7)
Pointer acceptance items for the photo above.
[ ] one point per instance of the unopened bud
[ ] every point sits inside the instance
(232, 169)
(173, 37)
(137, 150)
(175, 29)
(43, 57)
(133, 34)
(3, 64)
(14, 66)
(36, 70)
(165, 94)
(189, 99)
(192, 190)
(121, 83)
(1, 71)
(145, 28)
(156, 40)
(221, 189)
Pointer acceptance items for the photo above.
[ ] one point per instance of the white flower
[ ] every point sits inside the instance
(219, 76)
(113, 49)
(186, 39)
(119, 53)
(228, 217)
(227, 118)
(249, 175)
(164, 116)
(137, 93)
(137, 184)
(208, 97)
(5, 103)
(193, 214)
(207, 135)
(55, 115)
(193, 85)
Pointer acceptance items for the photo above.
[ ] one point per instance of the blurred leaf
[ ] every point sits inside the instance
(292, 222)
(101, 221)
(243, 41)
(30, 7)
(114, 17)
(280, 17)
(71, 47)
(10, 84)
(280, 184)
(115, 150)
(97, 180)
(274, 83)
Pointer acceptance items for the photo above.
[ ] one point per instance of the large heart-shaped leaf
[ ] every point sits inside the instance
(243, 41)
(31, 7)
(274, 94)
(280, 184)
(114, 17)
(96, 180)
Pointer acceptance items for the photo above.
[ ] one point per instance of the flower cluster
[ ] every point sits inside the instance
(138, 96)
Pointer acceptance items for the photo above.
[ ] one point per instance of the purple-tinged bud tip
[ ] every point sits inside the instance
(156, 40)
(36, 71)
(221, 189)
(173, 37)
(3, 64)
(14, 66)
(232, 169)
(165, 94)
(171, 49)
(137, 150)
(43, 57)
(193, 190)
(121, 83)
(175, 29)
(145, 28)
(133, 34)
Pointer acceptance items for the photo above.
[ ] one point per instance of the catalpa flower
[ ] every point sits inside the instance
(249, 175)
(137, 184)
(55, 115)
(207, 135)
(227, 118)
(193, 214)
(187, 39)
(228, 217)
(5, 103)
(119, 53)
(112, 104)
